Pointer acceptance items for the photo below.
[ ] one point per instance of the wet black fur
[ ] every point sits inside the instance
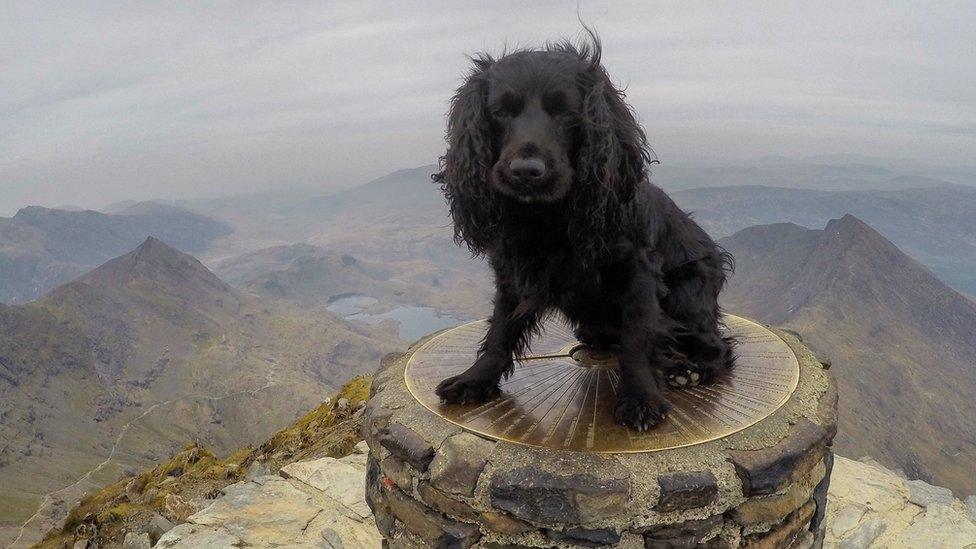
(615, 255)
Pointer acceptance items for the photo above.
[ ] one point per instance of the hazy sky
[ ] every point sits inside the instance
(115, 101)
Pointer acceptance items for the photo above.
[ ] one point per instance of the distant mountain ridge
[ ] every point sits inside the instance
(142, 354)
(935, 225)
(903, 342)
(41, 248)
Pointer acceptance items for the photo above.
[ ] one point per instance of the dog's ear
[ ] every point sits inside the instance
(465, 167)
(614, 152)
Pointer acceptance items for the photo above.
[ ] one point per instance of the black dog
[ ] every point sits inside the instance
(545, 174)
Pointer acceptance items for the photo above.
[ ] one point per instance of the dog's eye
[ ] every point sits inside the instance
(554, 103)
(507, 106)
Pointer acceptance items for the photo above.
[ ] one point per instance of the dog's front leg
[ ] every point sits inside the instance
(509, 327)
(640, 399)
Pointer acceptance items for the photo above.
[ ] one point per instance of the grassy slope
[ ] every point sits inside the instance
(197, 472)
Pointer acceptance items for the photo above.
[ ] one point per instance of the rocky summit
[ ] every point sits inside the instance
(870, 506)
(305, 488)
(318, 503)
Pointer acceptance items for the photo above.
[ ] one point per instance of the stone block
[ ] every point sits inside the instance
(683, 534)
(407, 446)
(772, 508)
(820, 494)
(396, 471)
(680, 491)
(445, 504)
(459, 462)
(157, 526)
(535, 495)
(770, 470)
(924, 494)
(427, 524)
(585, 537)
(785, 533)
(503, 523)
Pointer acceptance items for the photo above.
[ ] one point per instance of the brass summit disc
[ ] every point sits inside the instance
(561, 394)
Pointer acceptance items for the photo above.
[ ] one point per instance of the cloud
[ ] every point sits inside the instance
(104, 102)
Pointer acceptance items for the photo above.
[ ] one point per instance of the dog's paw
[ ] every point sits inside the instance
(681, 377)
(683, 373)
(461, 389)
(639, 414)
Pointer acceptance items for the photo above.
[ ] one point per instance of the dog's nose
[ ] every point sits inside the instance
(527, 169)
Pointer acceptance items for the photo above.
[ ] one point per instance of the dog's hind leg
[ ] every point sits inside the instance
(510, 325)
(699, 351)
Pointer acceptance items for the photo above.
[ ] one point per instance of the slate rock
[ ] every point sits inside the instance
(257, 469)
(683, 534)
(157, 526)
(535, 495)
(444, 503)
(924, 494)
(783, 534)
(680, 491)
(427, 524)
(459, 463)
(503, 523)
(407, 446)
(585, 537)
(680, 542)
(769, 470)
(397, 471)
(361, 448)
(136, 541)
(717, 542)
(772, 508)
(971, 508)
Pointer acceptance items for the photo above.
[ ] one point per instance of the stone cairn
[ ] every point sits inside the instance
(431, 484)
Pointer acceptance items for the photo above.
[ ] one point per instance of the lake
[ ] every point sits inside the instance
(414, 321)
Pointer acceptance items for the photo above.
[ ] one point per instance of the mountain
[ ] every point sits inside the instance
(902, 341)
(41, 248)
(935, 225)
(142, 354)
(240, 269)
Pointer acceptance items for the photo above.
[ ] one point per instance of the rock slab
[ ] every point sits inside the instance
(318, 503)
